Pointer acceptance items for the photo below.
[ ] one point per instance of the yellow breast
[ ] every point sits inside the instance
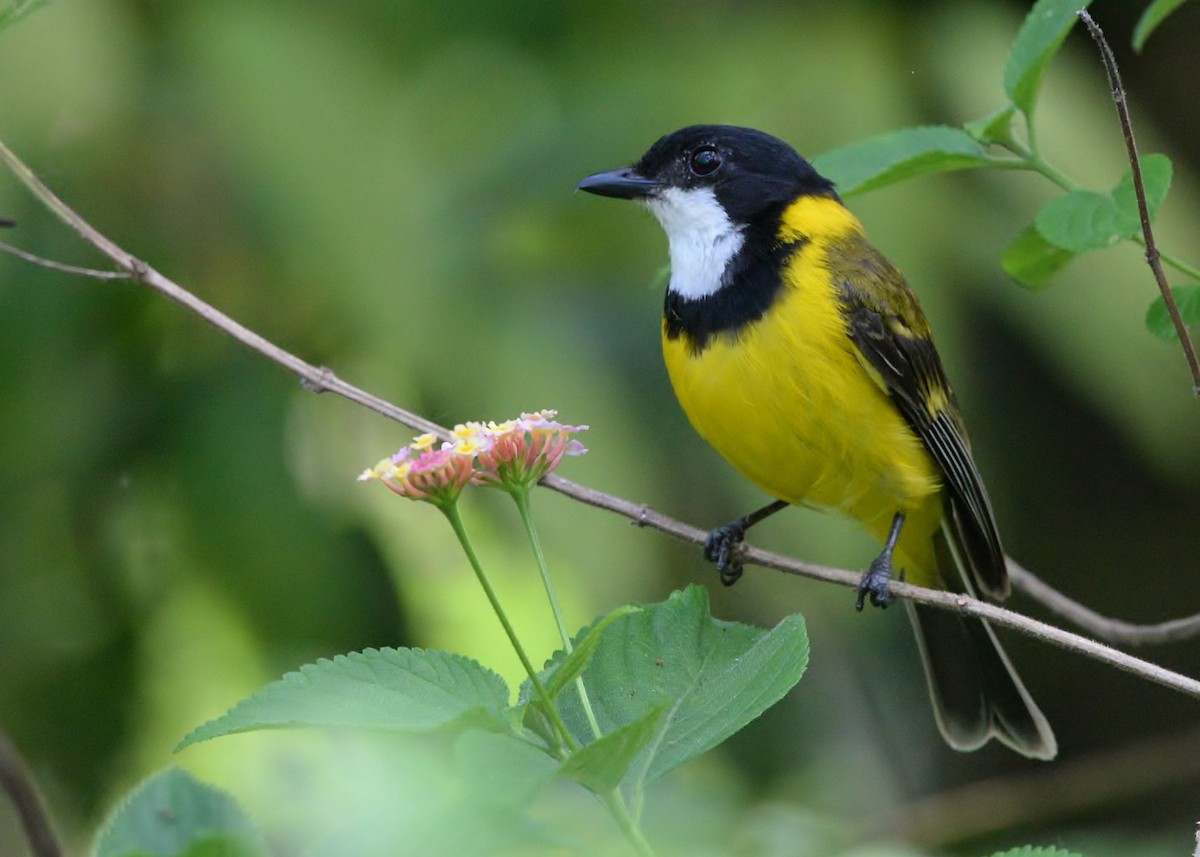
(786, 400)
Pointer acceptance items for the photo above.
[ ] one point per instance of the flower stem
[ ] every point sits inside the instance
(613, 800)
(521, 498)
(565, 739)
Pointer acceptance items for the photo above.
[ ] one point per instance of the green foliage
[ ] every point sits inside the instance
(712, 677)
(1033, 261)
(603, 764)
(408, 689)
(1158, 320)
(1154, 15)
(174, 815)
(1085, 220)
(1077, 222)
(899, 155)
(1045, 28)
(667, 682)
(1031, 851)
(486, 760)
(569, 668)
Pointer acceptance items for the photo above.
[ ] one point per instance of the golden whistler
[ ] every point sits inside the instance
(800, 353)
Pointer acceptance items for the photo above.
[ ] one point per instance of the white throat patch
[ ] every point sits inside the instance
(701, 237)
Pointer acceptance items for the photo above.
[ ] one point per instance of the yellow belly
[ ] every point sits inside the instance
(787, 403)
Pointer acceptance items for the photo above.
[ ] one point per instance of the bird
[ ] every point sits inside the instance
(801, 354)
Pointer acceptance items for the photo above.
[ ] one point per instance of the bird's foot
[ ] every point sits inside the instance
(723, 546)
(879, 574)
(875, 582)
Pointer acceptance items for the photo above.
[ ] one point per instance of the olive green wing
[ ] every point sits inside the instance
(887, 325)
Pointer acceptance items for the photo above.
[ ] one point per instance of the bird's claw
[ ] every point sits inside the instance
(723, 547)
(875, 582)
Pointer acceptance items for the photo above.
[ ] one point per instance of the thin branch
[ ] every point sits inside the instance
(999, 616)
(22, 790)
(60, 266)
(1139, 188)
(1112, 630)
(321, 379)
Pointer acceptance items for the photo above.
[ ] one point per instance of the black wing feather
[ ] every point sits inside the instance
(887, 325)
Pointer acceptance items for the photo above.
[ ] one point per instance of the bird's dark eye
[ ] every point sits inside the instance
(705, 161)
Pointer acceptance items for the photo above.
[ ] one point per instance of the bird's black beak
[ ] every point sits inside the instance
(620, 184)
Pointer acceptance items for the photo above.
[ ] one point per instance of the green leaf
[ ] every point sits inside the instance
(406, 689)
(1151, 18)
(1033, 261)
(1158, 320)
(172, 814)
(1085, 220)
(501, 770)
(888, 158)
(601, 765)
(1031, 851)
(1045, 28)
(584, 648)
(995, 128)
(712, 677)
(1156, 178)
(1080, 221)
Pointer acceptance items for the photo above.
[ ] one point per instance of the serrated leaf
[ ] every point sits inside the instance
(583, 650)
(1040, 36)
(172, 814)
(1033, 261)
(601, 765)
(1154, 15)
(412, 690)
(1031, 851)
(1158, 320)
(888, 158)
(713, 677)
(1156, 178)
(1080, 221)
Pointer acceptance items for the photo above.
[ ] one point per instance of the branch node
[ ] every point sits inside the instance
(138, 269)
(320, 382)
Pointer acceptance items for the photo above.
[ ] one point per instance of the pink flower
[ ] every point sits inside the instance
(522, 451)
(434, 475)
(511, 455)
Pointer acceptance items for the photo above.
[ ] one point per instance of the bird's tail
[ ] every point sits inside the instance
(976, 693)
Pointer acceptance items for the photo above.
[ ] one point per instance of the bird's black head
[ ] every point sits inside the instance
(719, 193)
(750, 174)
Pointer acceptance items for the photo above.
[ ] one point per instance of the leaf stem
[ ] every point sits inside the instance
(1032, 161)
(566, 740)
(629, 827)
(520, 496)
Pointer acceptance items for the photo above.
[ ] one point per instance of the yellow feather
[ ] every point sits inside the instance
(788, 401)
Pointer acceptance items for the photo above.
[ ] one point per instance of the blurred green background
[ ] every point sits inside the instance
(386, 188)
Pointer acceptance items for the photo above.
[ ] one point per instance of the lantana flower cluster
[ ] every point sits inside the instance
(511, 455)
